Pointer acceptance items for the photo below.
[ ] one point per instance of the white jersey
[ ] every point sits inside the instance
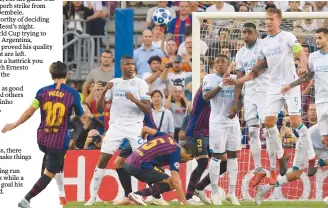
(316, 137)
(278, 52)
(246, 59)
(123, 111)
(318, 63)
(222, 102)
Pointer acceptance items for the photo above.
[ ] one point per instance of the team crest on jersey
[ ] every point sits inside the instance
(133, 83)
(176, 165)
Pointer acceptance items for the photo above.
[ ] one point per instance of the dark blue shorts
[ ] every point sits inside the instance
(54, 159)
(148, 176)
(201, 142)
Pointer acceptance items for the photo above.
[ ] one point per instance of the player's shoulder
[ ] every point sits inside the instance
(313, 129)
(71, 90)
(315, 54)
(42, 89)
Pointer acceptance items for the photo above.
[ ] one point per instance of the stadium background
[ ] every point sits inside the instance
(119, 28)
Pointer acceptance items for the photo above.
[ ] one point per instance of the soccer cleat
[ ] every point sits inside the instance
(191, 201)
(313, 166)
(284, 163)
(233, 199)
(137, 199)
(216, 199)
(62, 200)
(261, 191)
(273, 177)
(24, 204)
(91, 202)
(258, 176)
(160, 202)
(201, 195)
(326, 200)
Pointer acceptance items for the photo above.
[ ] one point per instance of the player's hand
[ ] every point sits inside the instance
(130, 96)
(285, 89)
(324, 141)
(233, 111)
(8, 127)
(109, 86)
(229, 81)
(301, 71)
(226, 75)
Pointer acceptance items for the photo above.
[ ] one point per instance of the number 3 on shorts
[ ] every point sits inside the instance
(296, 101)
(199, 143)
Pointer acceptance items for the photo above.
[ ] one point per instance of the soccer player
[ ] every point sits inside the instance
(161, 151)
(56, 102)
(276, 54)
(254, 94)
(130, 100)
(224, 129)
(197, 131)
(125, 177)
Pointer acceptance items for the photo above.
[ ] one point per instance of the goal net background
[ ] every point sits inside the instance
(223, 36)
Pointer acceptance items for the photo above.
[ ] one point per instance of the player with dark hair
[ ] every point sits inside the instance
(160, 151)
(56, 103)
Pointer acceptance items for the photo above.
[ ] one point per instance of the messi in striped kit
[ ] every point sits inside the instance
(56, 103)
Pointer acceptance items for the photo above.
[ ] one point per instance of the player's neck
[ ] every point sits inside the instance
(250, 45)
(127, 78)
(61, 81)
(220, 75)
(324, 50)
(273, 32)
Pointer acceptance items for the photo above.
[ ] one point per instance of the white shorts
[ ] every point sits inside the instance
(117, 133)
(254, 108)
(322, 116)
(224, 138)
(275, 101)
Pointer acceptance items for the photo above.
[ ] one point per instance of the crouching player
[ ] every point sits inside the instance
(161, 151)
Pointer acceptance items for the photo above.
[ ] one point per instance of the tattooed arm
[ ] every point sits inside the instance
(306, 77)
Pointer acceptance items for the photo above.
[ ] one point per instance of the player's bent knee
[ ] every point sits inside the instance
(231, 154)
(270, 121)
(295, 120)
(168, 181)
(119, 162)
(103, 160)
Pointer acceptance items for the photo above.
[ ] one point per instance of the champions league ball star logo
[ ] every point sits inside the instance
(133, 83)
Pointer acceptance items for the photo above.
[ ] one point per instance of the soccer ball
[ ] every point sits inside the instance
(162, 17)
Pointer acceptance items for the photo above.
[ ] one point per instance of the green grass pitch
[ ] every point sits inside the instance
(287, 204)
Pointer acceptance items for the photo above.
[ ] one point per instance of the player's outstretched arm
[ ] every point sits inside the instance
(209, 94)
(24, 117)
(237, 96)
(304, 78)
(101, 100)
(178, 186)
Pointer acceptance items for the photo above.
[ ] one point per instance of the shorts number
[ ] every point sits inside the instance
(199, 143)
(55, 113)
(296, 100)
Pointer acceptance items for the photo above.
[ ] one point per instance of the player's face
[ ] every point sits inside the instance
(221, 65)
(272, 22)
(249, 35)
(321, 40)
(128, 67)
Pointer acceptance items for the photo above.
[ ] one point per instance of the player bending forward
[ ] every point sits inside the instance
(130, 100)
(254, 94)
(161, 151)
(52, 134)
(224, 129)
(276, 52)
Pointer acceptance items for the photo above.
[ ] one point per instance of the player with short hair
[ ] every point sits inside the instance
(276, 54)
(130, 101)
(56, 103)
(160, 151)
(224, 128)
(254, 94)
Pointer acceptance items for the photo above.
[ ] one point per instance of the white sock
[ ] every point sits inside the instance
(59, 177)
(283, 180)
(232, 170)
(214, 172)
(273, 136)
(96, 181)
(271, 152)
(255, 145)
(305, 137)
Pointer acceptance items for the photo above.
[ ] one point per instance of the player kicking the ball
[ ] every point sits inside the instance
(254, 94)
(130, 100)
(224, 129)
(276, 53)
(56, 103)
(160, 151)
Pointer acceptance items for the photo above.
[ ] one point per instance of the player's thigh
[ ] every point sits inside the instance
(126, 151)
(148, 176)
(55, 161)
(260, 106)
(294, 101)
(113, 139)
(234, 138)
(250, 110)
(322, 116)
(133, 134)
(273, 104)
(218, 138)
(202, 144)
(300, 160)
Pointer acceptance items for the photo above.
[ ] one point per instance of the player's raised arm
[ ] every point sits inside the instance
(24, 117)
(78, 104)
(106, 93)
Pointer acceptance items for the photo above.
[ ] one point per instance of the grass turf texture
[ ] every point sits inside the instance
(286, 204)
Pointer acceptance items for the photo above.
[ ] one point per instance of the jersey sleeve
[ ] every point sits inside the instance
(293, 43)
(239, 65)
(78, 104)
(207, 84)
(144, 90)
(310, 63)
(175, 160)
(261, 55)
(109, 93)
(36, 101)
